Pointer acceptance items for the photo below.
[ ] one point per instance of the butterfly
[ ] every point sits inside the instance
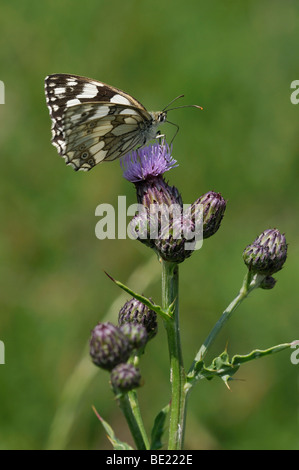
(94, 122)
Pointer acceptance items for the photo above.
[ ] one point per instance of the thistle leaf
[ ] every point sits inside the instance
(117, 444)
(158, 428)
(156, 308)
(225, 368)
(257, 353)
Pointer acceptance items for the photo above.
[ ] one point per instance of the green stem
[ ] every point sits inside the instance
(250, 282)
(130, 407)
(170, 291)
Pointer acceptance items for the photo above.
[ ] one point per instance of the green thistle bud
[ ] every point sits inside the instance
(268, 283)
(213, 211)
(108, 346)
(267, 254)
(125, 377)
(136, 334)
(136, 312)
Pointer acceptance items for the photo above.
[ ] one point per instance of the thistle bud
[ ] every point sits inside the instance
(267, 254)
(140, 227)
(213, 206)
(171, 243)
(157, 191)
(108, 346)
(136, 334)
(136, 312)
(125, 377)
(268, 283)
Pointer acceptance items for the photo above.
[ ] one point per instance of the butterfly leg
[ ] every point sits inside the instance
(177, 130)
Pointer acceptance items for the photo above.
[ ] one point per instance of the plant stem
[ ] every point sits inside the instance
(129, 405)
(170, 292)
(250, 282)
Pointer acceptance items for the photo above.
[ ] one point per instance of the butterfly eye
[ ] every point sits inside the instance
(84, 155)
(162, 117)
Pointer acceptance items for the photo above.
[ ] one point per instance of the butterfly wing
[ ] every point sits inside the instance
(94, 132)
(92, 121)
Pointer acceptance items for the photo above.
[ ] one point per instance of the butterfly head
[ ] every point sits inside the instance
(159, 116)
(162, 115)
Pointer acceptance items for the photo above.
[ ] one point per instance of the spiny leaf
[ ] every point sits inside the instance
(225, 368)
(156, 308)
(117, 444)
(257, 353)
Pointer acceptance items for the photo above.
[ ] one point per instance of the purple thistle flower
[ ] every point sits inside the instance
(147, 162)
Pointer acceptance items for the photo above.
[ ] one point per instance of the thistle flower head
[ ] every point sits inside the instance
(125, 377)
(136, 312)
(213, 206)
(109, 346)
(267, 254)
(163, 216)
(147, 162)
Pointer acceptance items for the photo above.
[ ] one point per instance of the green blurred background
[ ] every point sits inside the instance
(237, 60)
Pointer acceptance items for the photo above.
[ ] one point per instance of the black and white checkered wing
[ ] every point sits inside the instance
(94, 122)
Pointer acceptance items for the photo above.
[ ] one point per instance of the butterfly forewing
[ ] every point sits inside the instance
(93, 122)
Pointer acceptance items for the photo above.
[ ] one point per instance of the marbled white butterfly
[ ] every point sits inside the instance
(93, 122)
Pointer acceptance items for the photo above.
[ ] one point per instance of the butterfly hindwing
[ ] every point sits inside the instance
(93, 122)
(93, 132)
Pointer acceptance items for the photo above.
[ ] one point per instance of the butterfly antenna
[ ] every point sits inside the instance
(186, 106)
(172, 101)
(178, 107)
